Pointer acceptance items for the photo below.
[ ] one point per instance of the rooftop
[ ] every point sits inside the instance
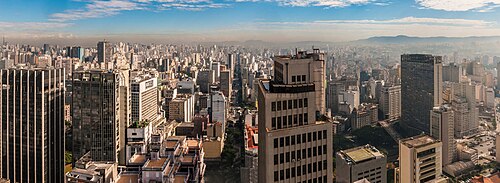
(128, 178)
(418, 141)
(159, 163)
(361, 154)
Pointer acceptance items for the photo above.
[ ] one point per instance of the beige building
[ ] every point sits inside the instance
(293, 146)
(442, 128)
(361, 163)
(303, 68)
(497, 147)
(390, 102)
(419, 160)
(144, 94)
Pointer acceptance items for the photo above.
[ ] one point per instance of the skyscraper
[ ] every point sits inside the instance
(390, 102)
(421, 89)
(293, 146)
(442, 128)
(419, 160)
(226, 82)
(144, 94)
(32, 118)
(98, 121)
(104, 52)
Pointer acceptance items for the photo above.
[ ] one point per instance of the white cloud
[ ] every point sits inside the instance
(460, 5)
(320, 3)
(415, 20)
(104, 8)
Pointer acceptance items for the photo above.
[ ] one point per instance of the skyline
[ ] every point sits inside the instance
(231, 20)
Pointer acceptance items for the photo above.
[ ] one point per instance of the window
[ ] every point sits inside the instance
(306, 120)
(282, 175)
(324, 134)
(324, 149)
(299, 173)
(294, 78)
(303, 78)
(295, 102)
(282, 158)
(273, 123)
(309, 152)
(275, 143)
(275, 176)
(288, 173)
(295, 119)
(282, 142)
(300, 103)
(320, 150)
(304, 170)
(301, 120)
(304, 154)
(275, 159)
(285, 123)
(315, 168)
(290, 120)
(309, 137)
(290, 104)
(298, 154)
(273, 106)
(279, 122)
(320, 166)
(293, 171)
(309, 168)
(287, 141)
(325, 165)
(314, 136)
(278, 105)
(293, 155)
(287, 155)
(293, 139)
(284, 105)
(305, 102)
(314, 151)
(303, 138)
(298, 139)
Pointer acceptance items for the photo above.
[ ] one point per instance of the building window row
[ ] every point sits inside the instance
(299, 78)
(299, 154)
(281, 122)
(289, 104)
(302, 170)
(300, 138)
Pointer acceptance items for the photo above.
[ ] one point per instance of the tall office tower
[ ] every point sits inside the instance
(104, 52)
(204, 79)
(216, 69)
(390, 102)
(293, 146)
(77, 52)
(463, 101)
(498, 76)
(442, 128)
(226, 82)
(32, 118)
(332, 95)
(452, 72)
(497, 147)
(363, 162)
(304, 68)
(419, 160)
(144, 94)
(98, 118)
(46, 48)
(421, 89)
(218, 107)
(230, 61)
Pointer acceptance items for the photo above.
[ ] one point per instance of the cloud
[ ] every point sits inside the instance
(105, 8)
(415, 20)
(319, 3)
(460, 5)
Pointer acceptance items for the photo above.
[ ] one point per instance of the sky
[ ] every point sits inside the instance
(241, 20)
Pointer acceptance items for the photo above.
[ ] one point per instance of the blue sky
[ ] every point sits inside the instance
(232, 20)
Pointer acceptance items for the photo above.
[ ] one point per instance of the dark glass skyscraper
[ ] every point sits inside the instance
(421, 89)
(32, 124)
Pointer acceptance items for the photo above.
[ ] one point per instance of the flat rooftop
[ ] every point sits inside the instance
(418, 141)
(155, 163)
(362, 153)
(128, 178)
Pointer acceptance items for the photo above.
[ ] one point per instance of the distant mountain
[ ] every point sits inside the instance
(402, 39)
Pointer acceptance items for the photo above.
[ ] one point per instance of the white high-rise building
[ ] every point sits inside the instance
(442, 128)
(390, 102)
